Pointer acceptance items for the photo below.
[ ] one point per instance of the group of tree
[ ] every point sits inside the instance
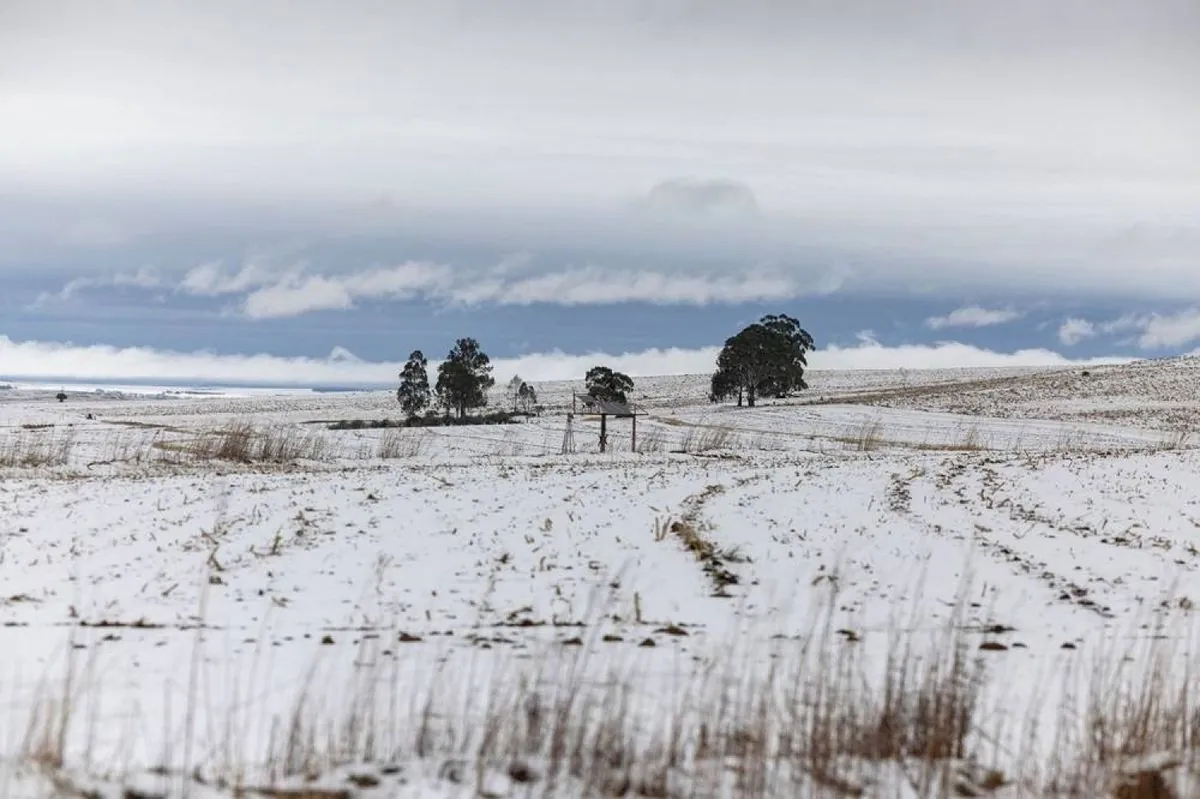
(464, 379)
(764, 359)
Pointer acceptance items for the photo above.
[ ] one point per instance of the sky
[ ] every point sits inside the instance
(307, 191)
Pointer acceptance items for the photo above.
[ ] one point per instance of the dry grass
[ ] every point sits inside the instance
(396, 443)
(245, 442)
(708, 438)
(651, 441)
(810, 721)
(36, 447)
(869, 436)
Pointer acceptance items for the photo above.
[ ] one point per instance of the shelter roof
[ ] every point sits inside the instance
(606, 406)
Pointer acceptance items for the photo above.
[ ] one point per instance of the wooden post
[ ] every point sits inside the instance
(603, 432)
(633, 438)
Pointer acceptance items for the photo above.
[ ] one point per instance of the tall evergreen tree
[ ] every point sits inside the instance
(465, 377)
(414, 394)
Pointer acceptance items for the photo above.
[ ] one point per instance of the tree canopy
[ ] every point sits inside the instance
(766, 358)
(465, 377)
(413, 394)
(605, 384)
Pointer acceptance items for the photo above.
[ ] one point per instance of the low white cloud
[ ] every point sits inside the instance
(1164, 331)
(973, 316)
(214, 279)
(46, 360)
(1154, 331)
(144, 278)
(298, 294)
(1074, 330)
(870, 354)
(267, 291)
(295, 297)
(594, 285)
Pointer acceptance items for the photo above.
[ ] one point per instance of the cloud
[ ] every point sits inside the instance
(593, 285)
(1154, 331)
(703, 197)
(936, 147)
(1163, 331)
(214, 279)
(269, 292)
(46, 360)
(144, 278)
(272, 292)
(973, 316)
(1074, 330)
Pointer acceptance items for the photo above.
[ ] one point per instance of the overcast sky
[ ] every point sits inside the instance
(287, 178)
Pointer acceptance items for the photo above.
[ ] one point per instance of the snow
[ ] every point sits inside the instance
(193, 609)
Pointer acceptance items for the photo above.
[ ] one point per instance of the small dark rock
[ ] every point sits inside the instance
(522, 773)
(648, 643)
(327, 640)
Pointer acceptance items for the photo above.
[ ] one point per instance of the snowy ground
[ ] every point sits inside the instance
(204, 611)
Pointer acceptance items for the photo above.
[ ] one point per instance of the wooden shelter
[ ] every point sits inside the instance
(607, 408)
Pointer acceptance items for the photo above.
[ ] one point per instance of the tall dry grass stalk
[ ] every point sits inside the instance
(245, 442)
(29, 448)
(870, 436)
(708, 438)
(826, 714)
(396, 443)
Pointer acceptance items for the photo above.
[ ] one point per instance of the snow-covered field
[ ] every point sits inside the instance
(823, 596)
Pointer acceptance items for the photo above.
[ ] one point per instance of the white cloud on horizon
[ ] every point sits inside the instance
(46, 360)
(973, 316)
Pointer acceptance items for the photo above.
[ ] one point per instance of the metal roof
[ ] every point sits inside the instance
(606, 406)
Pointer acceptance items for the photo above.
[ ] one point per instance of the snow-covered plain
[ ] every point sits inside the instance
(472, 612)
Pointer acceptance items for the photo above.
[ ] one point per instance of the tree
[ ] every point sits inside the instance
(764, 358)
(413, 394)
(605, 384)
(522, 395)
(465, 377)
(514, 391)
(787, 375)
(527, 398)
